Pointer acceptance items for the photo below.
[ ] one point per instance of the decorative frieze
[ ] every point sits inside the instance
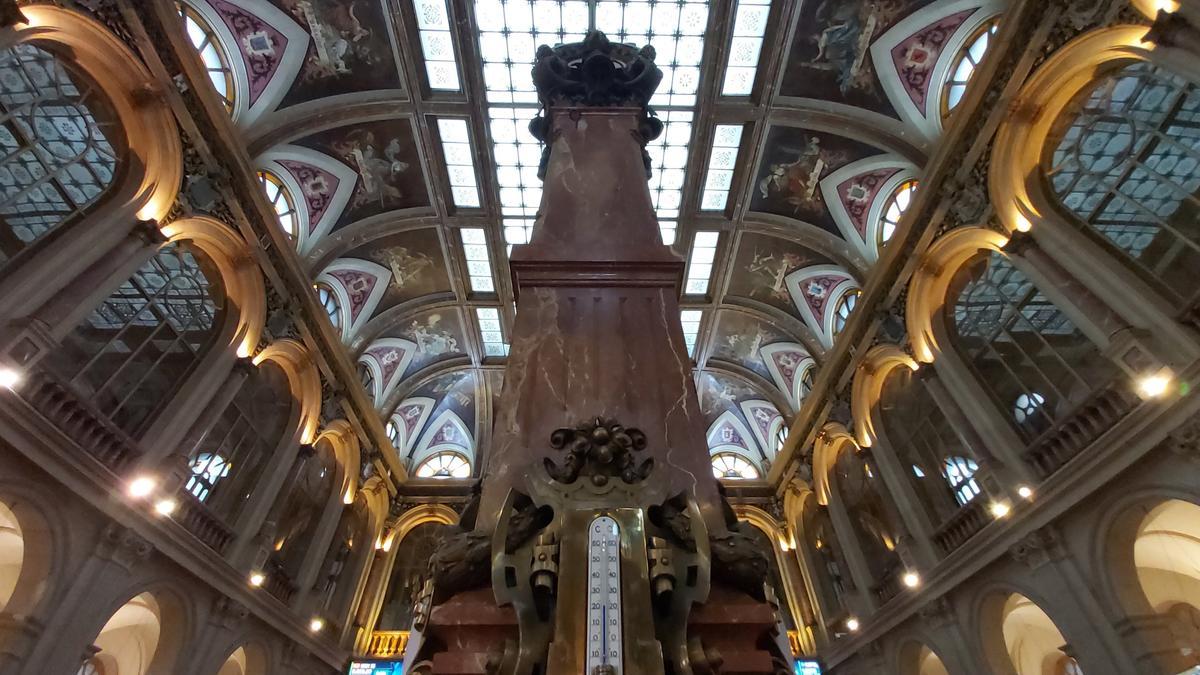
(1038, 548)
(123, 546)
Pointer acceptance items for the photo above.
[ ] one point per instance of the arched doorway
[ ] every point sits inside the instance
(12, 554)
(128, 642)
(1021, 639)
(1166, 554)
(918, 659)
(245, 660)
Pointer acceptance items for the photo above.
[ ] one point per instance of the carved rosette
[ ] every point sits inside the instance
(601, 450)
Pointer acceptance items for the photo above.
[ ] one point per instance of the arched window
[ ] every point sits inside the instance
(445, 464)
(329, 302)
(960, 474)
(844, 307)
(60, 144)
(896, 205)
(733, 466)
(807, 379)
(871, 518)
(207, 470)
(409, 573)
(1022, 345)
(965, 64)
(133, 352)
(393, 433)
(212, 54)
(367, 377)
(304, 501)
(917, 431)
(1123, 158)
(232, 455)
(12, 554)
(281, 200)
(781, 435)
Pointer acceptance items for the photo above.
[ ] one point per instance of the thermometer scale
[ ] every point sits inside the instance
(604, 598)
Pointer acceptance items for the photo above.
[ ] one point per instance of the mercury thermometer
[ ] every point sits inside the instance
(604, 597)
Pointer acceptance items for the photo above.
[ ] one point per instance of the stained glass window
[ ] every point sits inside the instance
(727, 139)
(437, 45)
(700, 263)
(212, 54)
(281, 201)
(1021, 344)
(896, 205)
(749, 25)
(1124, 158)
(965, 64)
(135, 349)
(733, 466)
(445, 465)
(60, 141)
(460, 162)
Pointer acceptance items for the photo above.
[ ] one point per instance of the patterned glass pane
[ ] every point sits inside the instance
(60, 142)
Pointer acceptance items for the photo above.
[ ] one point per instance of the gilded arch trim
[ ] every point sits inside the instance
(867, 387)
(304, 380)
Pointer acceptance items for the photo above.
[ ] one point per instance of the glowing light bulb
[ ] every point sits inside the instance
(166, 507)
(9, 378)
(142, 486)
(852, 624)
(1025, 491)
(257, 579)
(316, 624)
(1153, 386)
(912, 579)
(999, 509)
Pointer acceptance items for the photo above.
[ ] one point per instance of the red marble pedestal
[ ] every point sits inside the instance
(469, 625)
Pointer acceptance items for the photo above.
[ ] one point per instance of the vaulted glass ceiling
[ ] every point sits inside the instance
(510, 32)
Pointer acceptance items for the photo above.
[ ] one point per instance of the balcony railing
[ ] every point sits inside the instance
(889, 583)
(84, 425)
(1070, 436)
(195, 517)
(387, 643)
(971, 518)
(277, 581)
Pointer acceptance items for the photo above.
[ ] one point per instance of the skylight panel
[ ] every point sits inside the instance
(479, 263)
(491, 331)
(748, 28)
(510, 32)
(433, 25)
(460, 163)
(690, 318)
(700, 263)
(668, 163)
(727, 139)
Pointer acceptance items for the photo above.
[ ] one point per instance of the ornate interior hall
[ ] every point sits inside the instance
(646, 337)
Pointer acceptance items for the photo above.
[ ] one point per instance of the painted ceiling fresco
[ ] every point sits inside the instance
(739, 338)
(416, 261)
(326, 108)
(794, 162)
(384, 156)
(830, 57)
(761, 265)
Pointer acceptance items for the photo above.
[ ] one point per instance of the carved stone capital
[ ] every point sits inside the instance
(1038, 548)
(937, 612)
(1185, 440)
(123, 546)
(1020, 244)
(228, 613)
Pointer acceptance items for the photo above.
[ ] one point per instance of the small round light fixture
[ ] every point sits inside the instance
(1154, 386)
(852, 624)
(911, 579)
(999, 509)
(1025, 492)
(257, 579)
(316, 624)
(141, 487)
(166, 507)
(9, 378)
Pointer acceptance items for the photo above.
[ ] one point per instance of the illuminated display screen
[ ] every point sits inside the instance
(377, 668)
(808, 667)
